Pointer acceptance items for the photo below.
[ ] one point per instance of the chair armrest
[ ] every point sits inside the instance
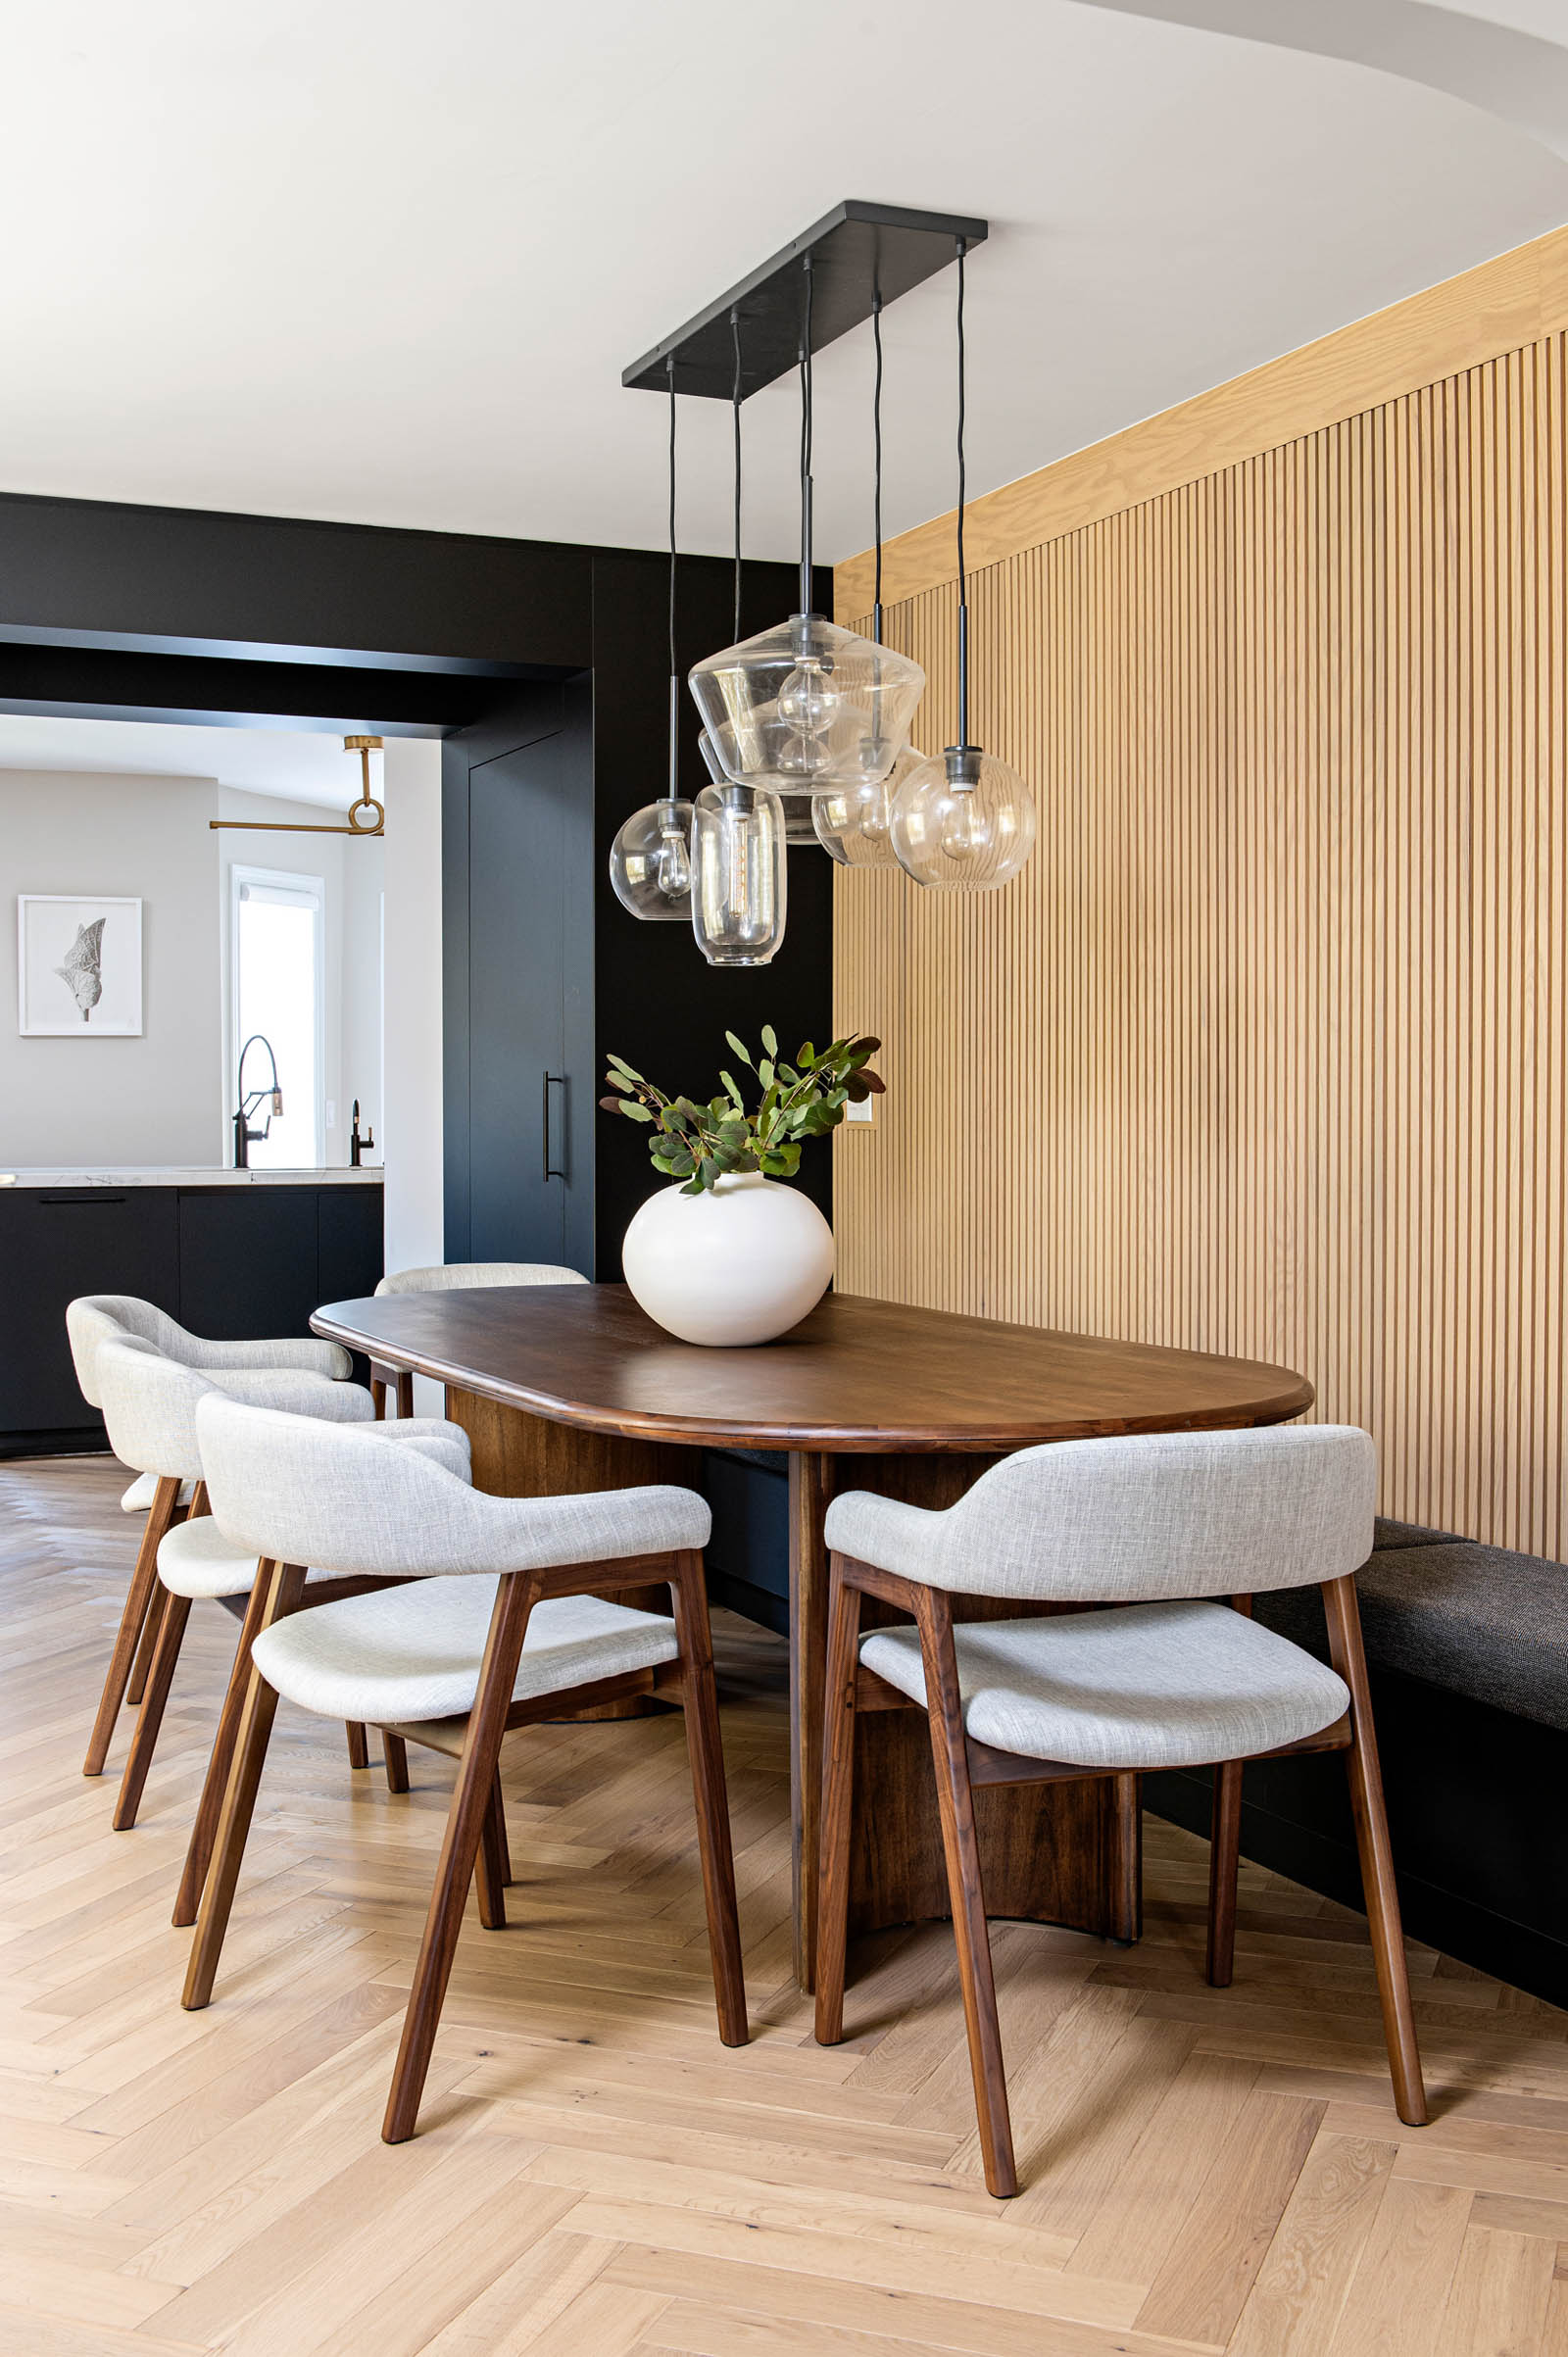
(538, 1534)
(433, 1437)
(305, 1354)
(296, 1390)
(889, 1534)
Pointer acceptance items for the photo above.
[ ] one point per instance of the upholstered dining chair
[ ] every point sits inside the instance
(150, 1407)
(96, 1317)
(504, 1621)
(148, 1404)
(454, 1276)
(1148, 1533)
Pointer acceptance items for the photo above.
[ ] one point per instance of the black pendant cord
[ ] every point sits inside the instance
(876, 465)
(673, 794)
(735, 331)
(963, 583)
(806, 446)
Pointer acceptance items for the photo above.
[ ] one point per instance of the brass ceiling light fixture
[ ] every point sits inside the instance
(375, 821)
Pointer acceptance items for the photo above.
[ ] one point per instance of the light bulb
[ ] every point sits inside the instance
(672, 869)
(965, 832)
(806, 702)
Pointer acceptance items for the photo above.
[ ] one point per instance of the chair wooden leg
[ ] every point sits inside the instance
(489, 1879)
(147, 1647)
(150, 1718)
(395, 1752)
(358, 1743)
(378, 1397)
(405, 1392)
(198, 1854)
(956, 1802)
(704, 1744)
(138, 1597)
(1224, 1855)
(284, 1590)
(838, 1803)
(1377, 1857)
(498, 1812)
(470, 1803)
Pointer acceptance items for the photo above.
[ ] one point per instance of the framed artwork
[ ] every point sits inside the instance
(78, 966)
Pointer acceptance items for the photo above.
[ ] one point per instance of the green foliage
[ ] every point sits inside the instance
(701, 1144)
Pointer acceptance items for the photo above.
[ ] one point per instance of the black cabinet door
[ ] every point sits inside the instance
(518, 1084)
(56, 1242)
(348, 1242)
(248, 1263)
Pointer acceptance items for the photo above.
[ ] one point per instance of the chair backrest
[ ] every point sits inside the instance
(458, 1276)
(149, 1403)
(99, 1317)
(371, 1499)
(1160, 1514)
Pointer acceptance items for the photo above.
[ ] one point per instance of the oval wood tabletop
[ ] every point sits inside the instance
(857, 1374)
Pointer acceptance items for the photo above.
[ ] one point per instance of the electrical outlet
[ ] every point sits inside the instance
(865, 1111)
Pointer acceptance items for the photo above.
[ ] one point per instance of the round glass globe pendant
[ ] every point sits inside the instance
(962, 820)
(649, 860)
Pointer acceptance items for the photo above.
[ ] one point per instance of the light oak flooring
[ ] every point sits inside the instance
(594, 2173)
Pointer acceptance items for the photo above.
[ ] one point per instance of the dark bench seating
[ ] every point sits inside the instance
(1468, 1648)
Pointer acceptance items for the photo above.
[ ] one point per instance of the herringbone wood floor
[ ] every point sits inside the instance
(595, 2173)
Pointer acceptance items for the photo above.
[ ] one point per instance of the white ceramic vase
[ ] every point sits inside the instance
(738, 1266)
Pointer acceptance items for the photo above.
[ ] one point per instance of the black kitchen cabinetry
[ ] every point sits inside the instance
(227, 1261)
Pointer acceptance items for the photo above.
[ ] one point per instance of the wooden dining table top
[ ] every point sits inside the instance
(857, 1374)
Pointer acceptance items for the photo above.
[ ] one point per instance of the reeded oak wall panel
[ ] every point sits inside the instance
(1264, 1052)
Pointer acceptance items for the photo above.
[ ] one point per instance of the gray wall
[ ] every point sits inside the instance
(157, 1099)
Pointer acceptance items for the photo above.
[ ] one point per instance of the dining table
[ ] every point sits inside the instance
(566, 1388)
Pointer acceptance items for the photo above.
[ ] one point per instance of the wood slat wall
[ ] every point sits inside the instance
(1263, 1053)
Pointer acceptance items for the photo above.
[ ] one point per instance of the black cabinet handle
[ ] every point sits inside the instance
(94, 1194)
(553, 1080)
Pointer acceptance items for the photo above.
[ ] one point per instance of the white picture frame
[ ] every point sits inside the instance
(78, 965)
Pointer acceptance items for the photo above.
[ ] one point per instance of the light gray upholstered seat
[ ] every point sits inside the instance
(461, 1276)
(98, 1317)
(407, 1654)
(138, 1498)
(1148, 1686)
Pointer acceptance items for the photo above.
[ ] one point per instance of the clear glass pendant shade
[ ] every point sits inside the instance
(650, 863)
(805, 706)
(854, 823)
(740, 876)
(962, 821)
(798, 826)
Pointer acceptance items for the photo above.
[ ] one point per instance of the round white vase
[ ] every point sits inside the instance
(738, 1266)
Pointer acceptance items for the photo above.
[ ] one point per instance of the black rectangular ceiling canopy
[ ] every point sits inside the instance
(857, 250)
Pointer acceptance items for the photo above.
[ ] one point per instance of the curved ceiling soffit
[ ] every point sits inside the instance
(1521, 78)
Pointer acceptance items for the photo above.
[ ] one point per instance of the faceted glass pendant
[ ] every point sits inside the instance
(740, 877)
(650, 863)
(854, 823)
(962, 821)
(806, 706)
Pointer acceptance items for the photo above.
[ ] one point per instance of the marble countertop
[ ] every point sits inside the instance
(141, 1175)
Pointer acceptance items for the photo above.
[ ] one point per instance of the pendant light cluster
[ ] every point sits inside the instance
(805, 733)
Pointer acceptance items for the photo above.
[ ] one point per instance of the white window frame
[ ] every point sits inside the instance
(290, 880)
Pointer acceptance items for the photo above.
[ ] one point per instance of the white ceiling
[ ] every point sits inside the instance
(300, 767)
(383, 261)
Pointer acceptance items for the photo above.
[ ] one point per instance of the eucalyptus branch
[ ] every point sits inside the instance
(701, 1144)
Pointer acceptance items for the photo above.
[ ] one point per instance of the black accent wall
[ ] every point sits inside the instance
(545, 668)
